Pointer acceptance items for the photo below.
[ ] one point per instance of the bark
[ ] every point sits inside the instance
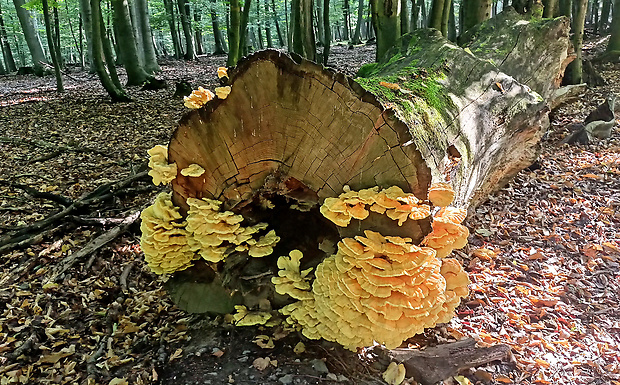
(404, 17)
(415, 12)
(423, 12)
(475, 12)
(101, 49)
(319, 23)
(243, 27)
(198, 33)
(614, 40)
(357, 35)
(566, 8)
(445, 17)
(436, 16)
(176, 44)
(452, 23)
(187, 30)
(328, 32)
(86, 17)
(386, 22)
(259, 27)
(605, 8)
(136, 75)
(32, 37)
(234, 33)
(441, 362)
(303, 33)
(300, 133)
(217, 32)
(550, 8)
(575, 69)
(52, 47)
(512, 51)
(346, 13)
(148, 48)
(267, 25)
(6, 47)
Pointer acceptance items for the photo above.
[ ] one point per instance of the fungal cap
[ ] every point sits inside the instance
(222, 92)
(193, 169)
(441, 194)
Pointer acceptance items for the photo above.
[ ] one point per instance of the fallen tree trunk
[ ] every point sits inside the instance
(291, 134)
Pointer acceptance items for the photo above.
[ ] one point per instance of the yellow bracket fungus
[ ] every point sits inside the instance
(393, 202)
(222, 92)
(243, 317)
(198, 98)
(379, 288)
(161, 171)
(193, 170)
(165, 241)
(219, 233)
(221, 72)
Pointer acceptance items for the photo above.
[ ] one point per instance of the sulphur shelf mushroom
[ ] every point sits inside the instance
(222, 92)
(166, 244)
(161, 171)
(193, 169)
(198, 98)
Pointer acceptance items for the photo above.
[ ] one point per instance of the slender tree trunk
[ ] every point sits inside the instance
(328, 32)
(289, 27)
(415, 11)
(319, 27)
(217, 32)
(2, 70)
(75, 41)
(136, 74)
(614, 40)
(404, 17)
(596, 18)
(303, 29)
(86, 14)
(445, 17)
(424, 13)
(56, 35)
(452, 23)
(566, 7)
(346, 11)
(475, 12)
(6, 47)
(198, 32)
(176, 44)
(386, 22)
(268, 25)
(187, 30)
(148, 48)
(575, 68)
(437, 7)
(233, 33)
(259, 28)
(277, 23)
(52, 48)
(605, 15)
(357, 35)
(31, 36)
(550, 7)
(98, 35)
(243, 28)
(134, 19)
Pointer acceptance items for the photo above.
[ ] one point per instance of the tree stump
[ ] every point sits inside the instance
(292, 133)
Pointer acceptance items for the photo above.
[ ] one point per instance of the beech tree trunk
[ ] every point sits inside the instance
(190, 54)
(297, 133)
(136, 75)
(149, 58)
(386, 23)
(6, 47)
(52, 47)
(31, 36)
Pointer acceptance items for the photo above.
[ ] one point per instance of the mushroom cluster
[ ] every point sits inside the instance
(219, 233)
(393, 202)
(198, 98)
(380, 288)
(167, 245)
(161, 171)
(194, 170)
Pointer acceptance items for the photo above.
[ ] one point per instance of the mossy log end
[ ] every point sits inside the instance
(292, 133)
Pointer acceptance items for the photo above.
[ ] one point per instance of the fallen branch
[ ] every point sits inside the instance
(102, 193)
(44, 144)
(38, 194)
(93, 245)
(441, 362)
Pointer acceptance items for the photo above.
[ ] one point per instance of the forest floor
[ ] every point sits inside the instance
(543, 257)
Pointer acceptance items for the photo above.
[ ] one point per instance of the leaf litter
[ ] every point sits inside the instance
(544, 265)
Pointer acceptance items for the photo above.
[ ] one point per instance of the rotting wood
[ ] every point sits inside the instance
(438, 363)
